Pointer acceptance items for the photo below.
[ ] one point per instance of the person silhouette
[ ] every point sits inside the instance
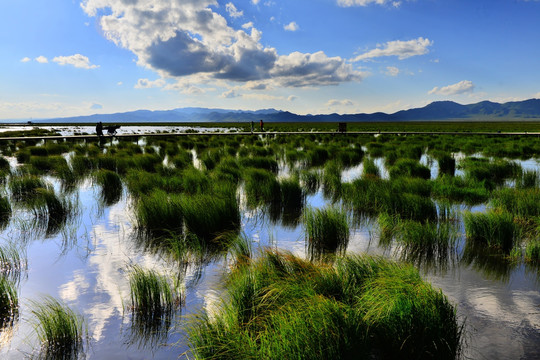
(99, 129)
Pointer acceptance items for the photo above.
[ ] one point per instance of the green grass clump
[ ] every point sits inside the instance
(494, 229)
(520, 202)
(51, 209)
(210, 215)
(24, 187)
(327, 231)
(458, 189)
(529, 179)
(532, 251)
(409, 168)
(447, 165)
(493, 172)
(283, 307)
(259, 162)
(331, 178)
(59, 329)
(370, 168)
(292, 201)
(12, 260)
(261, 186)
(9, 301)
(111, 186)
(5, 211)
(310, 180)
(159, 213)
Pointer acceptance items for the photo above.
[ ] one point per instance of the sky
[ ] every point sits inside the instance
(62, 58)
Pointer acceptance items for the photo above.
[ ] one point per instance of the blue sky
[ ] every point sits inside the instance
(72, 57)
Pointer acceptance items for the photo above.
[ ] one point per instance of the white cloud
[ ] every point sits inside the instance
(401, 49)
(292, 26)
(25, 59)
(255, 2)
(229, 94)
(190, 40)
(536, 96)
(119, 83)
(292, 98)
(247, 25)
(461, 87)
(96, 106)
(233, 12)
(338, 103)
(392, 71)
(41, 59)
(148, 84)
(77, 60)
(349, 3)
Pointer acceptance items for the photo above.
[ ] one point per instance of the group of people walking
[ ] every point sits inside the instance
(261, 124)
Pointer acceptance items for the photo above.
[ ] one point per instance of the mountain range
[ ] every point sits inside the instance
(439, 110)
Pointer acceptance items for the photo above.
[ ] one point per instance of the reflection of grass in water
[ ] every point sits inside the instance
(111, 186)
(60, 331)
(327, 231)
(283, 307)
(491, 262)
(153, 301)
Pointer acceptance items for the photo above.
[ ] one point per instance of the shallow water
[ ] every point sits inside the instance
(86, 266)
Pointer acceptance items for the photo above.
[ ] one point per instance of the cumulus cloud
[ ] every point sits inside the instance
(77, 60)
(230, 94)
(349, 3)
(247, 25)
(336, 102)
(392, 71)
(148, 84)
(233, 11)
(292, 26)
(461, 87)
(191, 40)
(401, 49)
(41, 59)
(25, 59)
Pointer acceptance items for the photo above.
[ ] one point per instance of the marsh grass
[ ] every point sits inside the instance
(292, 201)
(51, 209)
(310, 180)
(159, 213)
(261, 187)
(25, 187)
(9, 302)
(520, 202)
(492, 172)
(529, 179)
(447, 165)
(283, 307)
(370, 168)
(152, 302)
(13, 261)
(331, 179)
(111, 186)
(327, 231)
(532, 251)
(409, 168)
(458, 189)
(5, 211)
(209, 215)
(493, 229)
(59, 329)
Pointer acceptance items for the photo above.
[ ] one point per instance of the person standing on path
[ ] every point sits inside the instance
(262, 125)
(99, 129)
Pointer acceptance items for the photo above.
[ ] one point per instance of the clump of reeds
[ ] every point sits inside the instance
(520, 202)
(259, 162)
(532, 251)
(282, 307)
(51, 208)
(409, 168)
(159, 213)
(9, 301)
(12, 260)
(24, 187)
(292, 200)
(153, 300)
(529, 179)
(59, 329)
(494, 229)
(447, 165)
(370, 168)
(111, 186)
(209, 215)
(458, 189)
(331, 178)
(327, 231)
(5, 211)
(310, 180)
(261, 187)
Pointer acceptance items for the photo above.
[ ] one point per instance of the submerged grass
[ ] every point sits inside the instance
(9, 301)
(59, 329)
(283, 307)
